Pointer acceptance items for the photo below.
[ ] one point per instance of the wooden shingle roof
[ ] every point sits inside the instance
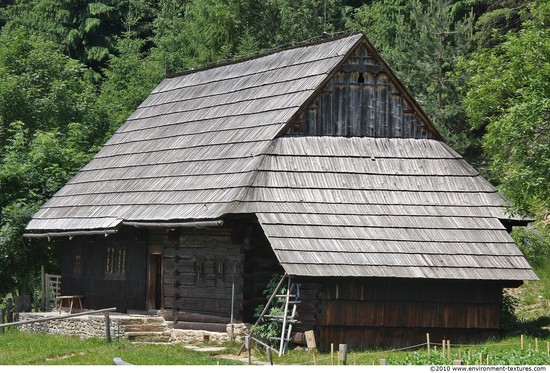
(191, 148)
(375, 207)
(215, 142)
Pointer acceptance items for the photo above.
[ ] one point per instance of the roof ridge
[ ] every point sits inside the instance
(316, 40)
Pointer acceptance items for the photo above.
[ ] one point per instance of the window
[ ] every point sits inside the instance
(115, 263)
(220, 272)
(77, 260)
(199, 272)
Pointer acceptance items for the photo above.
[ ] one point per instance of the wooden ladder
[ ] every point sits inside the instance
(53, 290)
(289, 303)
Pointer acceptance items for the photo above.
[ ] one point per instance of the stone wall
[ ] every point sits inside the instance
(134, 328)
(88, 326)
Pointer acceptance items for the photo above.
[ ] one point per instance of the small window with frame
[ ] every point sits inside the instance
(199, 272)
(115, 262)
(77, 260)
(220, 271)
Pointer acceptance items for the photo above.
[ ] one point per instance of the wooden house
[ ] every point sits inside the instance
(312, 161)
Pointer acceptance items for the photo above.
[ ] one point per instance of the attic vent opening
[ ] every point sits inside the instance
(361, 78)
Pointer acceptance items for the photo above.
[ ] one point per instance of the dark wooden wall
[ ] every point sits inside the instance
(193, 297)
(83, 271)
(192, 283)
(360, 100)
(399, 312)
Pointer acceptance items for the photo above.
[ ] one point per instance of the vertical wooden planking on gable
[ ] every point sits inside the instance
(340, 102)
(356, 104)
(381, 115)
(326, 114)
(368, 105)
(408, 121)
(311, 124)
(396, 112)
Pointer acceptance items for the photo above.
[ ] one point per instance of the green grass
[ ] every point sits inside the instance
(532, 301)
(23, 348)
(504, 352)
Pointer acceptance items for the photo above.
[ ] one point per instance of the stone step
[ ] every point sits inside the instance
(145, 328)
(148, 337)
(145, 321)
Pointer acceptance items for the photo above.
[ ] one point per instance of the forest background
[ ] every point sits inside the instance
(71, 72)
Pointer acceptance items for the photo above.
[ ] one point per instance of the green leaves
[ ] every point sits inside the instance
(508, 95)
(50, 125)
(423, 42)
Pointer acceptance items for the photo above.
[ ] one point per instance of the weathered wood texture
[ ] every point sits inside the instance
(361, 100)
(399, 312)
(198, 273)
(84, 271)
(191, 148)
(196, 279)
(377, 207)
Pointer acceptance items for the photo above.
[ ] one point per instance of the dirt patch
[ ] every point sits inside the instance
(67, 356)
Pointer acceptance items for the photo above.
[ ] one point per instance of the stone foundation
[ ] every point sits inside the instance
(88, 326)
(126, 326)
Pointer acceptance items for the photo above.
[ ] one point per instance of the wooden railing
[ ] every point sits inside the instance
(60, 317)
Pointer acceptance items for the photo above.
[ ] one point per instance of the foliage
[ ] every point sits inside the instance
(268, 328)
(498, 19)
(130, 77)
(85, 30)
(508, 318)
(534, 242)
(50, 126)
(423, 41)
(508, 95)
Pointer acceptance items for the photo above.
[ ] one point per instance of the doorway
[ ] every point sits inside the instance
(154, 281)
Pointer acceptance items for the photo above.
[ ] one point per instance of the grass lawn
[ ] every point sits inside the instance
(23, 348)
(504, 352)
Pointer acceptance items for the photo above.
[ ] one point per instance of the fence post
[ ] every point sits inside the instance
(343, 349)
(269, 355)
(521, 342)
(428, 342)
(1, 320)
(43, 283)
(248, 346)
(107, 326)
(9, 309)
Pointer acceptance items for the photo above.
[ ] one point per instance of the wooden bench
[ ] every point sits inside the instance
(70, 299)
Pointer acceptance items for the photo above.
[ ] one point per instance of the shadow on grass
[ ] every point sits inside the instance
(537, 328)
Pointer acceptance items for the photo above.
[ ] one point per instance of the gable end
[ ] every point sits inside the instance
(363, 98)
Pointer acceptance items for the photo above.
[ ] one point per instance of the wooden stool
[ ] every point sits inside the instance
(71, 299)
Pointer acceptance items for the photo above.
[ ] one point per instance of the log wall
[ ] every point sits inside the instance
(198, 273)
